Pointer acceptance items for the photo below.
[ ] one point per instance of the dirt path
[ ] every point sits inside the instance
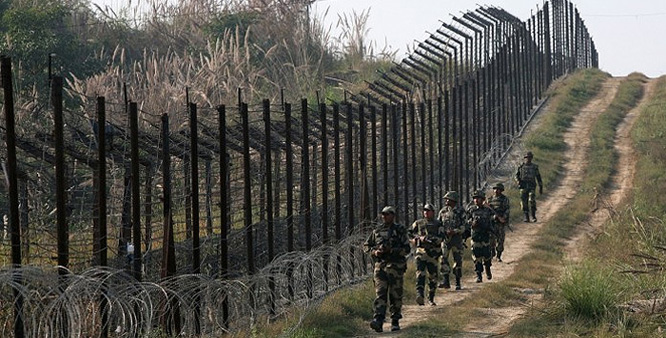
(622, 182)
(498, 320)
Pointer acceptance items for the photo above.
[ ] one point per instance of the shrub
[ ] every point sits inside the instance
(590, 290)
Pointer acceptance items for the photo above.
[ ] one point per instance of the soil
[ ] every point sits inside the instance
(497, 321)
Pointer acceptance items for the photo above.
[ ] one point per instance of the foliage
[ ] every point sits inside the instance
(31, 32)
(650, 144)
(590, 290)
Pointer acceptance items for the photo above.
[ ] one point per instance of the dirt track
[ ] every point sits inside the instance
(518, 243)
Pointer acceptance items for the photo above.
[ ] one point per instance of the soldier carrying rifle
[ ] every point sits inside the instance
(527, 177)
(456, 232)
(480, 220)
(426, 234)
(388, 245)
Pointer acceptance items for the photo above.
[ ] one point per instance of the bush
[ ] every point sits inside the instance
(590, 290)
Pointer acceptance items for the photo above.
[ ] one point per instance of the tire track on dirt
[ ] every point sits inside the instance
(621, 183)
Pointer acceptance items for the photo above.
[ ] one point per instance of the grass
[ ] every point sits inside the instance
(590, 290)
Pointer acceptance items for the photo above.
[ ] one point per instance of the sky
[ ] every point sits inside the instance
(629, 35)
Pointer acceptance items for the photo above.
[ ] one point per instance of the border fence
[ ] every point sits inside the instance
(211, 219)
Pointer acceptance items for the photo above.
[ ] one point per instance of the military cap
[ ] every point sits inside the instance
(452, 195)
(478, 193)
(529, 154)
(429, 206)
(388, 210)
(499, 186)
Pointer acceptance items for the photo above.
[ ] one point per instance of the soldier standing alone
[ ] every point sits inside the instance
(388, 245)
(480, 219)
(500, 204)
(426, 235)
(527, 177)
(452, 217)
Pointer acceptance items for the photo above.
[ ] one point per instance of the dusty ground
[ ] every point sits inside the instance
(518, 243)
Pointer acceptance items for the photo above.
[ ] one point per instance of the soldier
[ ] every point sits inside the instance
(480, 219)
(426, 235)
(500, 204)
(452, 217)
(527, 177)
(388, 245)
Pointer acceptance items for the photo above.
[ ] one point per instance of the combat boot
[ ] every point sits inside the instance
(446, 283)
(419, 297)
(478, 267)
(395, 325)
(377, 325)
(527, 217)
(431, 298)
(488, 273)
(499, 256)
(458, 286)
(534, 215)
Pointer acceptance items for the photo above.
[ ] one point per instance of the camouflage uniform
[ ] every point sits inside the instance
(500, 204)
(480, 219)
(427, 235)
(527, 177)
(389, 246)
(455, 228)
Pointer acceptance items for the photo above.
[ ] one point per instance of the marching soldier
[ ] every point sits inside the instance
(527, 177)
(388, 246)
(480, 219)
(500, 204)
(426, 236)
(452, 217)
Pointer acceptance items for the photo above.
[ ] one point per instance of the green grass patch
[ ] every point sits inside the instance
(590, 290)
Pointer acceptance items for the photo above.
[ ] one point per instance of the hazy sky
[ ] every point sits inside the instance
(629, 35)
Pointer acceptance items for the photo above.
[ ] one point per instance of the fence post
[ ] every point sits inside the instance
(289, 157)
(136, 197)
(384, 156)
(224, 206)
(324, 188)
(373, 137)
(10, 127)
(61, 197)
(305, 178)
(337, 204)
(247, 189)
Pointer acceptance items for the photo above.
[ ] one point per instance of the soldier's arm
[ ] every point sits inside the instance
(369, 243)
(403, 248)
(538, 175)
(412, 232)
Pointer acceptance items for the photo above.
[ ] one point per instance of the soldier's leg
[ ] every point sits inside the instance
(524, 195)
(395, 294)
(446, 267)
(457, 265)
(477, 257)
(381, 280)
(493, 244)
(487, 262)
(501, 235)
(433, 277)
(421, 265)
(532, 200)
